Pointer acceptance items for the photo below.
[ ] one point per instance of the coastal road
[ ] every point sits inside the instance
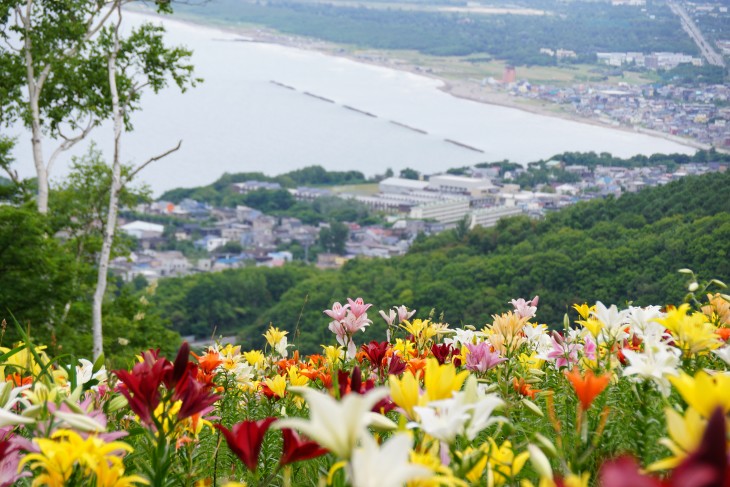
(694, 32)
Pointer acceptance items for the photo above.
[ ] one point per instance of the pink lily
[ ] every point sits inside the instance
(337, 312)
(481, 358)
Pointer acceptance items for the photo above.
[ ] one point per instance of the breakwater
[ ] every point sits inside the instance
(372, 115)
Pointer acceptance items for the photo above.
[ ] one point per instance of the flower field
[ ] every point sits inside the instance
(614, 396)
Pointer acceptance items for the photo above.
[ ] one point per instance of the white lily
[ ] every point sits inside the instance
(483, 405)
(384, 466)
(80, 422)
(656, 364)
(723, 353)
(11, 419)
(444, 420)
(335, 425)
(85, 372)
(462, 337)
(642, 318)
(613, 322)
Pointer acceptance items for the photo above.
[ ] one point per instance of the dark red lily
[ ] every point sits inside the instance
(348, 383)
(141, 385)
(442, 351)
(706, 467)
(196, 397)
(353, 384)
(296, 449)
(245, 440)
(375, 352)
(396, 366)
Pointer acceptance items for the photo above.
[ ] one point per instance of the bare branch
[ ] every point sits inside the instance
(151, 160)
(68, 143)
(13, 175)
(10, 46)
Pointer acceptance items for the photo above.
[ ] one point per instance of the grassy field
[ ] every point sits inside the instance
(359, 189)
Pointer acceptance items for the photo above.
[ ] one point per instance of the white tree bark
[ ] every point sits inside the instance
(111, 221)
(35, 86)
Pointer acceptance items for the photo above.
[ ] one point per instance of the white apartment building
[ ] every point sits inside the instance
(448, 183)
(488, 217)
(449, 211)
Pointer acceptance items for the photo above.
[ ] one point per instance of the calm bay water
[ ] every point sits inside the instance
(239, 120)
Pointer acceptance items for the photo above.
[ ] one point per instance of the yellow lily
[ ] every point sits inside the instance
(254, 357)
(273, 336)
(441, 381)
(503, 463)
(685, 435)
(333, 354)
(692, 333)
(405, 393)
(704, 392)
(584, 310)
(277, 385)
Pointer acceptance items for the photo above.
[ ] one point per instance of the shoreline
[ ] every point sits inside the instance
(465, 90)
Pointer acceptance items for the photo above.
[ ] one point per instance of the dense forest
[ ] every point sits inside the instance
(584, 27)
(613, 250)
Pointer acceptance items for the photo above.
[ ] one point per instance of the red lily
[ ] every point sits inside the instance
(396, 366)
(442, 351)
(296, 449)
(141, 385)
(375, 352)
(196, 397)
(245, 440)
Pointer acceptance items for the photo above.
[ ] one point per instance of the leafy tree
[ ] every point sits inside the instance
(55, 78)
(409, 173)
(334, 237)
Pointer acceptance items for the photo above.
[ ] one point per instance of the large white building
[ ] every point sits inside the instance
(140, 229)
(488, 217)
(448, 211)
(448, 183)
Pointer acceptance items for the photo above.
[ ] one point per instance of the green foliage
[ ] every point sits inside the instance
(690, 74)
(220, 192)
(47, 265)
(409, 173)
(34, 270)
(225, 302)
(334, 237)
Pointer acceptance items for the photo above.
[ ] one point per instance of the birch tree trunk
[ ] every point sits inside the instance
(111, 221)
(34, 93)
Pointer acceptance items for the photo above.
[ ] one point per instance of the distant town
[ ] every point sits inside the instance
(686, 106)
(700, 113)
(229, 238)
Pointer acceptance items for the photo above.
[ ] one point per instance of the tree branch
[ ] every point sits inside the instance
(68, 143)
(131, 175)
(13, 175)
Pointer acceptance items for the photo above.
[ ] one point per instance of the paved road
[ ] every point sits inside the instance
(691, 28)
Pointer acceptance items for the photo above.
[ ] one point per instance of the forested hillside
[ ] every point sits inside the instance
(611, 250)
(584, 27)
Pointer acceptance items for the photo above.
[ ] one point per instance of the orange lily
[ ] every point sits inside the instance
(524, 388)
(416, 364)
(589, 387)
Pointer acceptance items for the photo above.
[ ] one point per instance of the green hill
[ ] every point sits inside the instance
(613, 250)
